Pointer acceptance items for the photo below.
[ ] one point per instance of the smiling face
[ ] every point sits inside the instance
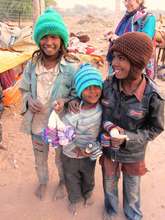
(121, 65)
(131, 5)
(91, 95)
(50, 45)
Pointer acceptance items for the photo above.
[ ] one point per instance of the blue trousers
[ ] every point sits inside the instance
(131, 195)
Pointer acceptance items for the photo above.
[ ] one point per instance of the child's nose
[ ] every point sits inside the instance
(115, 61)
(49, 40)
(93, 89)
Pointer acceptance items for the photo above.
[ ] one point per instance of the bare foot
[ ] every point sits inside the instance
(40, 191)
(72, 208)
(89, 201)
(60, 191)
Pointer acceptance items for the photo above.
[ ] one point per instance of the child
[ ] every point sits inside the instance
(79, 156)
(133, 104)
(46, 79)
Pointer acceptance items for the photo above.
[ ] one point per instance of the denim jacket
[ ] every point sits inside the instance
(142, 121)
(63, 88)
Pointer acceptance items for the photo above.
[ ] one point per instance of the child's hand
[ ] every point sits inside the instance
(34, 105)
(113, 37)
(81, 152)
(73, 106)
(116, 142)
(59, 105)
(117, 136)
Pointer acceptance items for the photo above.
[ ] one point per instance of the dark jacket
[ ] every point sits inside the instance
(142, 120)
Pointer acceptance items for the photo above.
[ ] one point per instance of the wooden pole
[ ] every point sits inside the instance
(42, 6)
(36, 10)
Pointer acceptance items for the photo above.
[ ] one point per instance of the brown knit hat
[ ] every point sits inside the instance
(136, 46)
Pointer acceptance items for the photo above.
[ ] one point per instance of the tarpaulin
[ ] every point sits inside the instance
(9, 60)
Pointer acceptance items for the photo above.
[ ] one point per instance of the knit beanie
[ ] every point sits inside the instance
(87, 76)
(50, 23)
(136, 46)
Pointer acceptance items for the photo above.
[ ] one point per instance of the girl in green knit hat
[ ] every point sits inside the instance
(47, 79)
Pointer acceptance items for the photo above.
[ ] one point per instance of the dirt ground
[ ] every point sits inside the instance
(18, 179)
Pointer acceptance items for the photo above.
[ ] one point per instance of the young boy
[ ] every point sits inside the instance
(78, 162)
(47, 78)
(133, 104)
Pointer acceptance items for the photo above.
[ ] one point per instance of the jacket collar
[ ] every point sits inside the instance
(139, 92)
(61, 65)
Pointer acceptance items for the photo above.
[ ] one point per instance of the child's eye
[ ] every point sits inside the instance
(121, 58)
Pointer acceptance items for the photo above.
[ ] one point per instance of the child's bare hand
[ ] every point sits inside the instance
(59, 105)
(34, 105)
(113, 37)
(117, 136)
(80, 152)
(116, 142)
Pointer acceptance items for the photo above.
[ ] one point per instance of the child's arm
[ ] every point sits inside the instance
(154, 125)
(72, 71)
(25, 87)
(71, 101)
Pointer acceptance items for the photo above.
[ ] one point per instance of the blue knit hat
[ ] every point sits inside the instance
(50, 23)
(87, 76)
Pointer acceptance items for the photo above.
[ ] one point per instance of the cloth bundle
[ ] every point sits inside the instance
(57, 133)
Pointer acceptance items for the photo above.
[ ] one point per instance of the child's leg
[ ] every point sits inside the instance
(87, 168)
(72, 178)
(58, 162)
(60, 190)
(131, 197)
(72, 182)
(110, 186)
(41, 164)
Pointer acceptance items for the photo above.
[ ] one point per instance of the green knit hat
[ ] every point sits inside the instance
(50, 23)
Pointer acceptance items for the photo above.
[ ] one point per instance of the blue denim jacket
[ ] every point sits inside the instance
(63, 88)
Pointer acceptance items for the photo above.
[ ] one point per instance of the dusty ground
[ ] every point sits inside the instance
(18, 180)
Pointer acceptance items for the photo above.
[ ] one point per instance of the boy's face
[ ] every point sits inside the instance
(121, 65)
(91, 94)
(50, 45)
